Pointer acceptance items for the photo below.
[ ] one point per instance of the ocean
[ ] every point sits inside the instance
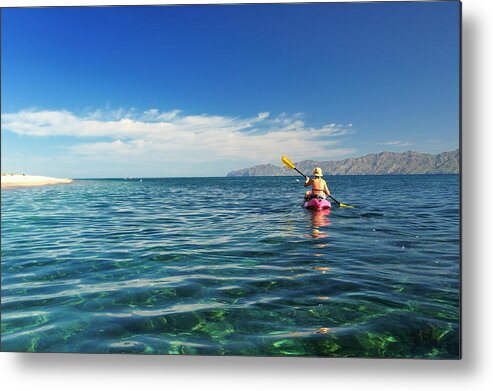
(233, 266)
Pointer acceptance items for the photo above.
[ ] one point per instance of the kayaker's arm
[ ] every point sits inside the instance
(326, 189)
(307, 182)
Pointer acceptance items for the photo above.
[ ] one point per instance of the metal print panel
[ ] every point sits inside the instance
(257, 180)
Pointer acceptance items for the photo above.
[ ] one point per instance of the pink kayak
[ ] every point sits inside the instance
(317, 204)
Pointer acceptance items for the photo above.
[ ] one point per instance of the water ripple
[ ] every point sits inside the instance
(217, 266)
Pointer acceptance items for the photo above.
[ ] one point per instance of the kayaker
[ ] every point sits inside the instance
(319, 186)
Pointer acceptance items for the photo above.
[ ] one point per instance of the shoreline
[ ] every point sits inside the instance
(22, 180)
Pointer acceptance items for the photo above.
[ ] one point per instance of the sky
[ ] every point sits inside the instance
(202, 90)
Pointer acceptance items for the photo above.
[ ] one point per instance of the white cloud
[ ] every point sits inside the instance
(172, 136)
(396, 143)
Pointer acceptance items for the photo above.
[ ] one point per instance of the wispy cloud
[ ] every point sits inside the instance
(396, 143)
(173, 136)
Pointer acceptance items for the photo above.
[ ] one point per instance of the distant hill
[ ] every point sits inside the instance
(374, 164)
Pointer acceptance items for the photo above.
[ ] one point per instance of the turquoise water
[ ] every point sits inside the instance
(233, 266)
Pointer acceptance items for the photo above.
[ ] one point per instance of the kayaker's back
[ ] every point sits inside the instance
(318, 186)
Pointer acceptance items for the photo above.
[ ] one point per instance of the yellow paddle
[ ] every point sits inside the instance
(289, 164)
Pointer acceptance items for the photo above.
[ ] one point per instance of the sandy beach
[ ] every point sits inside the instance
(16, 180)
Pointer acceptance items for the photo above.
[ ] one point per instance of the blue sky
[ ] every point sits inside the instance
(202, 90)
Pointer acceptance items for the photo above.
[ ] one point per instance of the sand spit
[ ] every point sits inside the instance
(17, 180)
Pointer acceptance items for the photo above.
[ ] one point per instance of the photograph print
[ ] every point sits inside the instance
(241, 180)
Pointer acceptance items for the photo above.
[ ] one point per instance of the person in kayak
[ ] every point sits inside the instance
(319, 186)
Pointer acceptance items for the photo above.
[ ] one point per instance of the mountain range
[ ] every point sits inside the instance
(383, 163)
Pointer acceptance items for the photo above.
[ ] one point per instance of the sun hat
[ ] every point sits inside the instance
(318, 171)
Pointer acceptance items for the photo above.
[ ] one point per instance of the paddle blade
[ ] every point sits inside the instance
(345, 206)
(288, 163)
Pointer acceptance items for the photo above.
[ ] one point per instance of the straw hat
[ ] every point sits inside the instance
(318, 171)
